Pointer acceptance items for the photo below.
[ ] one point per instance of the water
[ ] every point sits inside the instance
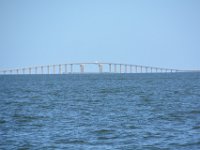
(100, 111)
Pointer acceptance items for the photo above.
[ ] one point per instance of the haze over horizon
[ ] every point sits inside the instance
(154, 33)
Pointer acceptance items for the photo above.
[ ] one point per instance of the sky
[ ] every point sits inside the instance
(163, 33)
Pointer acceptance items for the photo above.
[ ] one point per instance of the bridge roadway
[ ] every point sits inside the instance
(68, 68)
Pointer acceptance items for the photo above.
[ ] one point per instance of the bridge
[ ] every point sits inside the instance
(100, 67)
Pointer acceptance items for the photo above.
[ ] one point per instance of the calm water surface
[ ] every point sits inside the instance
(100, 111)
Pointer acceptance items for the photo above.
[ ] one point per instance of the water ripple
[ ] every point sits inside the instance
(107, 111)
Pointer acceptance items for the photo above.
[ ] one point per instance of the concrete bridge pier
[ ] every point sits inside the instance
(125, 68)
(100, 68)
(60, 69)
(131, 68)
(41, 69)
(17, 71)
(54, 69)
(82, 68)
(65, 68)
(146, 68)
(115, 68)
(29, 70)
(110, 68)
(35, 70)
(71, 65)
(48, 69)
(23, 70)
(120, 68)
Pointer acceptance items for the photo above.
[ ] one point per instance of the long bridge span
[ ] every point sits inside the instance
(100, 67)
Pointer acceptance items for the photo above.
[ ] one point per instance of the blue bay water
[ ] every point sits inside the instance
(100, 111)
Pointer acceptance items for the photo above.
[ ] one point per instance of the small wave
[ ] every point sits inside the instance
(188, 144)
(71, 141)
(109, 91)
(107, 138)
(2, 121)
(22, 118)
(104, 131)
(195, 112)
(196, 127)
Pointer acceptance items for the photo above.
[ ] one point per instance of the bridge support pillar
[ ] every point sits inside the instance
(125, 68)
(35, 70)
(82, 68)
(29, 70)
(115, 68)
(120, 68)
(131, 68)
(48, 69)
(41, 69)
(65, 68)
(71, 65)
(60, 69)
(110, 68)
(54, 69)
(100, 68)
(23, 70)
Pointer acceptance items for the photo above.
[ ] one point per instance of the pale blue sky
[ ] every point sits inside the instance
(164, 33)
